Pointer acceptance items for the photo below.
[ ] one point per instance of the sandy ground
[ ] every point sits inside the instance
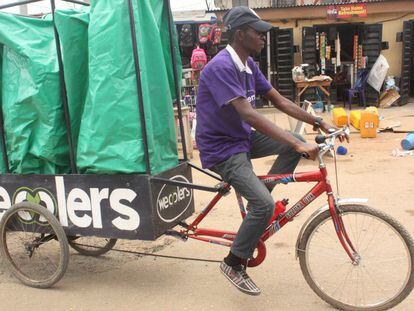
(120, 281)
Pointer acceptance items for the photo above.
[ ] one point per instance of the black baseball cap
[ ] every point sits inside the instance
(242, 15)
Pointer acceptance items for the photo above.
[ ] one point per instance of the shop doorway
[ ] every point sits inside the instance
(282, 61)
(276, 62)
(339, 51)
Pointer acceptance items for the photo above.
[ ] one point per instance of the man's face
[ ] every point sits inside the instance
(253, 40)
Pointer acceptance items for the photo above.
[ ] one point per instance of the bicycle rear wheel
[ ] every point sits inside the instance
(33, 244)
(384, 275)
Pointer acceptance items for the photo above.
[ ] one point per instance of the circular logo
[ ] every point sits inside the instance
(173, 201)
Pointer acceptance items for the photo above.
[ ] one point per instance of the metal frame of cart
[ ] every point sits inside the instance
(128, 206)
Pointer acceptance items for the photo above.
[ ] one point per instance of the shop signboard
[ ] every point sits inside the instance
(347, 11)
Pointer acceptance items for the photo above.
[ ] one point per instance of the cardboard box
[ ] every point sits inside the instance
(389, 97)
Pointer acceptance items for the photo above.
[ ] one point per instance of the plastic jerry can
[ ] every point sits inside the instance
(372, 109)
(355, 118)
(340, 118)
(369, 124)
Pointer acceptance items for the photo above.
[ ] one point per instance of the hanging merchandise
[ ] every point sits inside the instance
(338, 51)
(322, 51)
(204, 33)
(328, 52)
(323, 65)
(322, 45)
(187, 38)
(334, 64)
(355, 47)
(317, 41)
(215, 35)
(361, 63)
(198, 58)
(355, 56)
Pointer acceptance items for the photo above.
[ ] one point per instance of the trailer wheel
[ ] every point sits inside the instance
(33, 244)
(91, 246)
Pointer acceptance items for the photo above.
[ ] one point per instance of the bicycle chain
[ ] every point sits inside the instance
(151, 254)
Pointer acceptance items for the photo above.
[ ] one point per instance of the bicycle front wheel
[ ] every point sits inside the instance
(384, 275)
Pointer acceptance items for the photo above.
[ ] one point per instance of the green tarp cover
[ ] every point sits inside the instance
(110, 138)
(30, 97)
(2, 166)
(99, 66)
(72, 26)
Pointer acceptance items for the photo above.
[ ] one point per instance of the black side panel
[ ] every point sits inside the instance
(284, 62)
(407, 55)
(309, 56)
(309, 53)
(273, 57)
(372, 49)
(412, 63)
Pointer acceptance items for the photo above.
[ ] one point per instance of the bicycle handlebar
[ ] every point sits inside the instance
(323, 145)
(326, 142)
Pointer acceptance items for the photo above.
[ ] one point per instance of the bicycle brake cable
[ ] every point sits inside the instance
(336, 173)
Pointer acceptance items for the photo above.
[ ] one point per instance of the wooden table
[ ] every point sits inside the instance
(324, 86)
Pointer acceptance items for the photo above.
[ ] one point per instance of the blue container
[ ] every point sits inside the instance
(341, 150)
(408, 142)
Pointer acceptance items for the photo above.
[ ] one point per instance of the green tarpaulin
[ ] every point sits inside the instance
(33, 119)
(72, 26)
(110, 138)
(2, 165)
(101, 85)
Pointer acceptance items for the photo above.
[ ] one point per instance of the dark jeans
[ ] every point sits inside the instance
(238, 172)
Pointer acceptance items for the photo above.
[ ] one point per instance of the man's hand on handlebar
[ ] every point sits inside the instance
(328, 128)
(309, 151)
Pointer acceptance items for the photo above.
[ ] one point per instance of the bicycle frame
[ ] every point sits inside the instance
(322, 186)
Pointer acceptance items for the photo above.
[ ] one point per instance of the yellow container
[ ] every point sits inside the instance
(369, 124)
(372, 109)
(340, 118)
(355, 118)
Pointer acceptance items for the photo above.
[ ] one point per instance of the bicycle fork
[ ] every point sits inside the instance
(341, 231)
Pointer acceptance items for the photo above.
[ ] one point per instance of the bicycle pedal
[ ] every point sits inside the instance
(177, 235)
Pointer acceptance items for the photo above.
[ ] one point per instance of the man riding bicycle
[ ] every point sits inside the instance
(225, 117)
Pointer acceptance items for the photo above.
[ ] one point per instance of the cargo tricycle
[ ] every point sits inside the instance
(353, 256)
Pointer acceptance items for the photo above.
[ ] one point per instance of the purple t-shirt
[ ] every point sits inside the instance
(220, 131)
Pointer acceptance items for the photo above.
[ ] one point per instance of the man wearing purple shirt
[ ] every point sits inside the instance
(226, 96)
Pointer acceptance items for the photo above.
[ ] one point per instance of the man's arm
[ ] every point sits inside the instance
(264, 126)
(294, 110)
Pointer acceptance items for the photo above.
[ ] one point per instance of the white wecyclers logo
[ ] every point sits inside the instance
(170, 198)
(82, 208)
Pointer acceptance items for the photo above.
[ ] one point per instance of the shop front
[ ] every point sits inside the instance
(340, 41)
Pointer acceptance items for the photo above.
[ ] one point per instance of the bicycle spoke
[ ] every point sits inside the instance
(393, 260)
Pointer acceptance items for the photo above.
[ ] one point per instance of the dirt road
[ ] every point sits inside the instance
(127, 282)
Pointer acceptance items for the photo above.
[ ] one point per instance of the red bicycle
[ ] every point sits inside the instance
(368, 266)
